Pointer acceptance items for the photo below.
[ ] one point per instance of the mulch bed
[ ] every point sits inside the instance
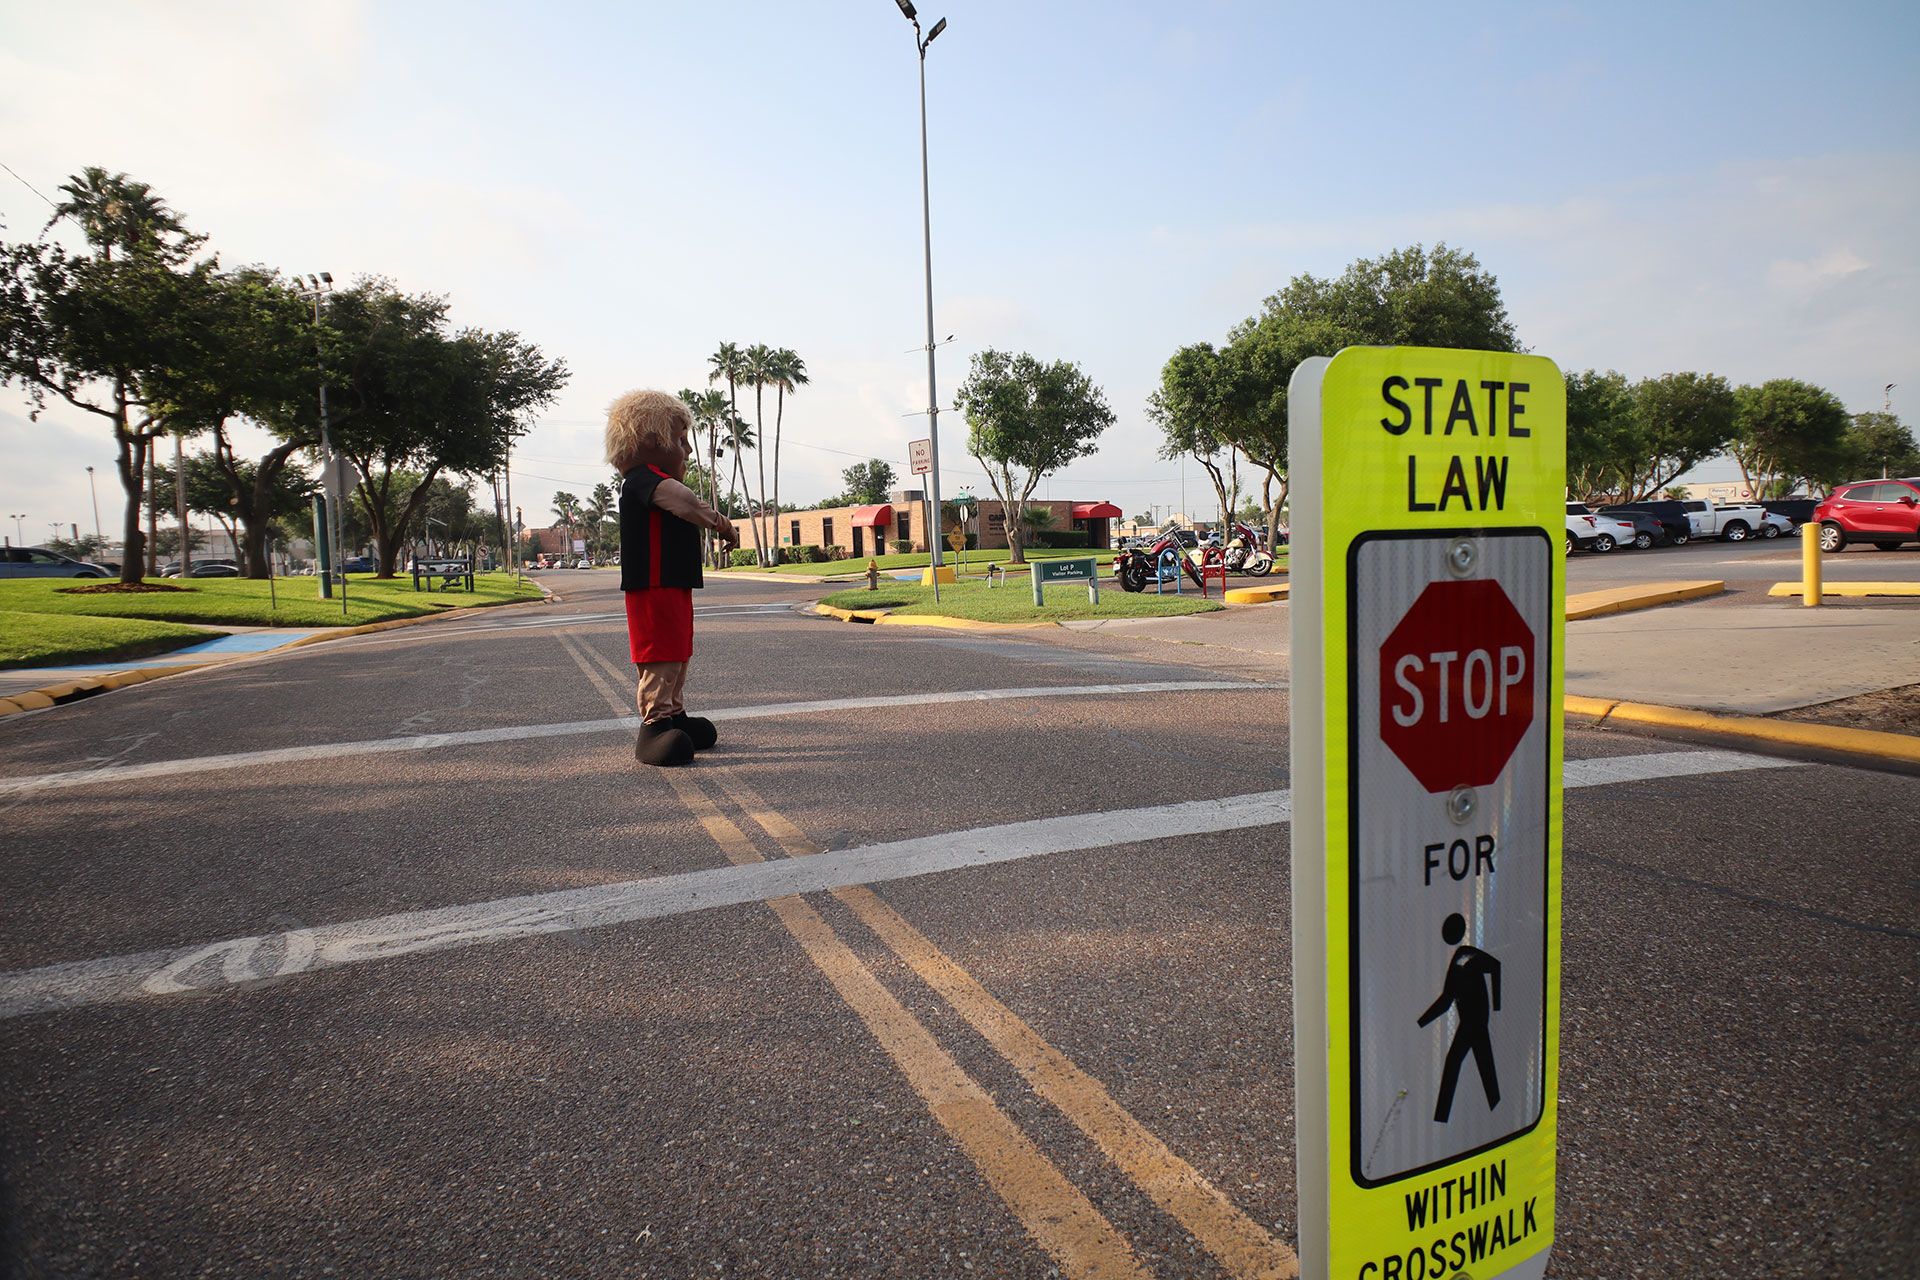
(120, 588)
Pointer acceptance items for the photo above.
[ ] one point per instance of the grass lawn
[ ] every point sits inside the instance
(52, 640)
(245, 602)
(1014, 602)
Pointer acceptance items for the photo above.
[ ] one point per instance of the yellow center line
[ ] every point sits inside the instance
(1242, 1246)
(1055, 1212)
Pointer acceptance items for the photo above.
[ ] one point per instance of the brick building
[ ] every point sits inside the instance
(900, 524)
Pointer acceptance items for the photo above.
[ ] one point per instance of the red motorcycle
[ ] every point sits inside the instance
(1160, 561)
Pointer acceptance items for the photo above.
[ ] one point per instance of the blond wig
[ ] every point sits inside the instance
(640, 425)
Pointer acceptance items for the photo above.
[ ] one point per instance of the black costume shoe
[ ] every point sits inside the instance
(662, 743)
(698, 728)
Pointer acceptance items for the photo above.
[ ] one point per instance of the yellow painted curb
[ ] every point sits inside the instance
(31, 700)
(850, 615)
(1873, 743)
(957, 624)
(1598, 604)
(1856, 589)
(1258, 595)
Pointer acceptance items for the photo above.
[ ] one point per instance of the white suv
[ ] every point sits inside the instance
(1590, 530)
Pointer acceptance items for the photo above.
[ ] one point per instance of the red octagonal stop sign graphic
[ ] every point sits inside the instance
(1456, 684)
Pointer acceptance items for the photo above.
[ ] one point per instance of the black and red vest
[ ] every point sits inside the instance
(656, 549)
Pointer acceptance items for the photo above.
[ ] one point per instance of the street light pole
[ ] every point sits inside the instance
(94, 490)
(926, 233)
(319, 287)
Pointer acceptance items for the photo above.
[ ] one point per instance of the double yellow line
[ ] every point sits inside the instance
(1060, 1217)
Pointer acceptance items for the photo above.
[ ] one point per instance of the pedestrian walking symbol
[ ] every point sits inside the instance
(1472, 991)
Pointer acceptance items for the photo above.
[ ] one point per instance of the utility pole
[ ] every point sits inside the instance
(318, 287)
(153, 516)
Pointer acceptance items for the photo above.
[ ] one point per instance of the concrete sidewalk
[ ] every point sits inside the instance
(237, 643)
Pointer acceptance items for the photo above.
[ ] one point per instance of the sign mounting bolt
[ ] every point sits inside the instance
(1462, 555)
(1461, 803)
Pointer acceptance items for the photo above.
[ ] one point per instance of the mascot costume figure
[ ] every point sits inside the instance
(649, 440)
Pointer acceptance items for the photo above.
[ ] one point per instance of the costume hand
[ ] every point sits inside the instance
(726, 531)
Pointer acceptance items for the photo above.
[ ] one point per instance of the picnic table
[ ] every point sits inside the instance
(447, 574)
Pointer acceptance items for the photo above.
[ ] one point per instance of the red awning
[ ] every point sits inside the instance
(1095, 511)
(880, 517)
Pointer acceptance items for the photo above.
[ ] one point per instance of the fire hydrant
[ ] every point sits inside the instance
(873, 575)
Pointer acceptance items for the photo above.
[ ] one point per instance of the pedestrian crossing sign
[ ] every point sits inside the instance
(1427, 615)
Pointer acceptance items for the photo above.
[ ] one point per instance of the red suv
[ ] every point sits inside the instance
(1883, 512)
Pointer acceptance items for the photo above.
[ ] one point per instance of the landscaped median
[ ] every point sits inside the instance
(58, 622)
(1006, 605)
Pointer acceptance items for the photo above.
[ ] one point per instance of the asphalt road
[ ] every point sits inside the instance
(381, 957)
(1753, 565)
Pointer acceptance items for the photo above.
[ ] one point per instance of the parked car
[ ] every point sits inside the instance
(1731, 524)
(1610, 531)
(204, 569)
(1671, 513)
(1647, 529)
(1798, 510)
(38, 562)
(1885, 513)
(1773, 524)
(359, 564)
(1583, 534)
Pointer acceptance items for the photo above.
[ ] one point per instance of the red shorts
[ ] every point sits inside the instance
(660, 624)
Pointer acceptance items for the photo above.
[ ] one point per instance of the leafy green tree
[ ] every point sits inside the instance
(261, 361)
(1786, 430)
(1417, 297)
(450, 517)
(866, 483)
(84, 547)
(572, 515)
(1876, 444)
(1026, 420)
(1603, 435)
(110, 331)
(417, 399)
(1196, 412)
(1684, 419)
(728, 364)
(210, 492)
(761, 363)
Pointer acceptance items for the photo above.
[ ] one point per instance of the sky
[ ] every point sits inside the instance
(1733, 188)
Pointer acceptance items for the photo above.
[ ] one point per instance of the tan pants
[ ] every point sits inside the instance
(660, 686)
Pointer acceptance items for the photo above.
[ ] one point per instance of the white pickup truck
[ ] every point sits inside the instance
(1734, 523)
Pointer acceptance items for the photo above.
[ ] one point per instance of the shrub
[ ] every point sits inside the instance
(817, 555)
(743, 558)
(1058, 539)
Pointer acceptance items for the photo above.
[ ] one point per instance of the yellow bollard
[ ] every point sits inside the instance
(1810, 586)
(873, 575)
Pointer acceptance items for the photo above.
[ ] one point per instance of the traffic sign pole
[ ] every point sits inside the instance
(1427, 615)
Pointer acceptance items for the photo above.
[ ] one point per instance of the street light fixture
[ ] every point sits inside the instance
(926, 232)
(19, 539)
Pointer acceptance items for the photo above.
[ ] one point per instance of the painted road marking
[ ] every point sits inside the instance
(621, 724)
(1240, 1243)
(1055, 1213)
(205, 966)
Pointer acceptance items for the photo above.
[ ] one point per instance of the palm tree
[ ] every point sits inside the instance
(116, 212)
(740, 438)
(709, 409)
(602, 505)
(567, 507)
(728, 362)
(760, 371)
(789, 375)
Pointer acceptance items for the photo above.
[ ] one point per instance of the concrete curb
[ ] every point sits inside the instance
(66, 691)
(1649, 595)
(1257, 595)
(1870, 744)
(1855, 589)
(958, 624)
